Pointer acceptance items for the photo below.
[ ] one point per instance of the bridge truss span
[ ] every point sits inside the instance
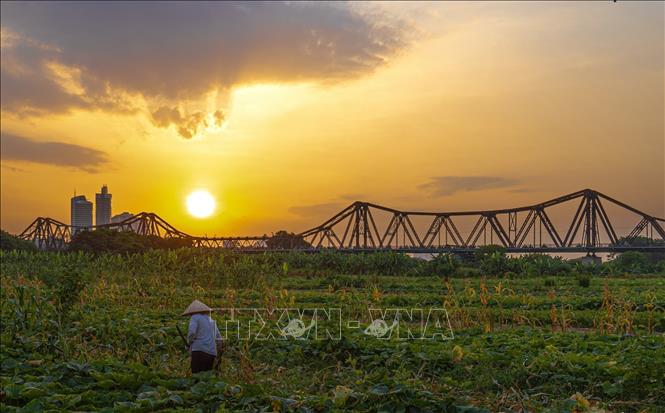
(588, 228)
(583, 221)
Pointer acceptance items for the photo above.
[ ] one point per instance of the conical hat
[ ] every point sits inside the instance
(196, 307)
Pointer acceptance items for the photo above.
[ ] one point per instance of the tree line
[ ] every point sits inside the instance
(488, 260)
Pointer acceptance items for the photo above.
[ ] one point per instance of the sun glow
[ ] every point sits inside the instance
(200, 204)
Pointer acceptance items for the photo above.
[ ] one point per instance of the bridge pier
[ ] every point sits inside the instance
(590, 259)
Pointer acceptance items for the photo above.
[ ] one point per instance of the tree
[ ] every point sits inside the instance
(633, 262)
(492, 260)
(444, 265)
(12, 242)
(283, 240)
(496, 263)
(106, 240)
(639, 241)
(653, 256)
(543, 264)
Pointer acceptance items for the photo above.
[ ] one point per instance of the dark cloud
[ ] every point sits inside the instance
(448, 185)
(177, 51)
(33, 83)
(317, 210)
(18, 148)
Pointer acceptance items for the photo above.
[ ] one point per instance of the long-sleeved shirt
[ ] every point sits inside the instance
(203, 334)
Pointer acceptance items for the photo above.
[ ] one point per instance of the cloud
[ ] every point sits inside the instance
(165, 116)
(34, 83)
(13, 168)
(18, 148)
(98, 55)
(317, 210)
(448, 185)
(219, 116)
(186, 125)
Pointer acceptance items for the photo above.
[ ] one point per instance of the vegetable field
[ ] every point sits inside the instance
(97, 333)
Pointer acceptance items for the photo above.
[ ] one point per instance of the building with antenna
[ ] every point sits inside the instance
(103, 207)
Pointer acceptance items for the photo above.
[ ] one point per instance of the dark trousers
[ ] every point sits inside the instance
(202, 361)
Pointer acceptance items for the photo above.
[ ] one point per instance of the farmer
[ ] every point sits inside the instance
(205, 342)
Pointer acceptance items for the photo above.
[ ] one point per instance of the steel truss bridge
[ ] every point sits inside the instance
(588, 226)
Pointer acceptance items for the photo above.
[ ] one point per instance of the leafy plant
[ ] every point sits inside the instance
(584, 281)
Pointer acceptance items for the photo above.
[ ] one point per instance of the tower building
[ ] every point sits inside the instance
(103, 207)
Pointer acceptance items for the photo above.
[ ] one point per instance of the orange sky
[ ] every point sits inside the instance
(287, 113)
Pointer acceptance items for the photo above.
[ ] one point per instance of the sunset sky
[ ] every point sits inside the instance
(288, 112)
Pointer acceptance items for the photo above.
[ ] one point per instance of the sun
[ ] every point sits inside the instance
(200, 203)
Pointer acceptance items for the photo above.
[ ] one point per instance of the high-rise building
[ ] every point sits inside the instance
(81, 213)
(103, 207)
